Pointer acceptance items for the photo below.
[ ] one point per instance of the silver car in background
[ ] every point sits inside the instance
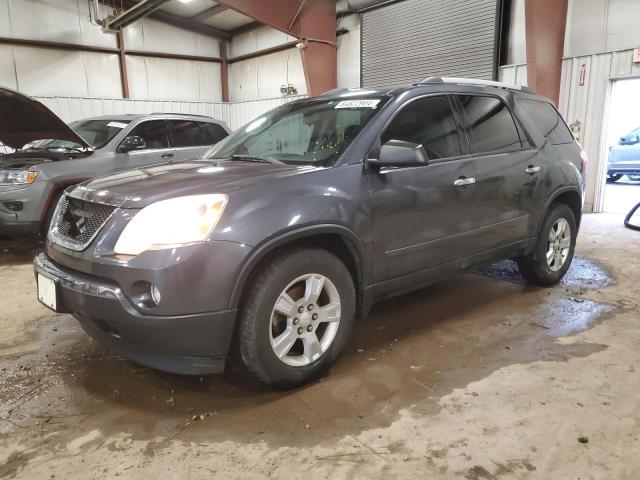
(46, 155)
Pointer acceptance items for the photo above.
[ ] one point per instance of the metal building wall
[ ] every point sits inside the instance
(587, 104)
(235, 114)
(409, 40)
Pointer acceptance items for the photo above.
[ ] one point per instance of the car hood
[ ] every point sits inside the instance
(140, 187)
(23, 120)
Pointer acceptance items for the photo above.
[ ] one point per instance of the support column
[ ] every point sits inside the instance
(311, 21)
(224, 72)
(122, 60)
(545, 22)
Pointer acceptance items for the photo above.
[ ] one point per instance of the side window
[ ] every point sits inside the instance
(154, 133)
(213, 133)
(491, 125)
(548, 120)
(185, 133)
(430, 122)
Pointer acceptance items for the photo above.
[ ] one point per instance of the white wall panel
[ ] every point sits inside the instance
(262, 77)
(153, 36)
(7, 68)
(597, 26)
(235, 114)
(179, 79)
(257, 39)
(587, 104)
(349, 52)
(513, 74)
(52, 20)
(516, 43)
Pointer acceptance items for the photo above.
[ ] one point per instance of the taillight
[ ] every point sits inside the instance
(584, 161)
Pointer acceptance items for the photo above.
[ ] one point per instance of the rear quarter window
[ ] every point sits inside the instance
(548, 121)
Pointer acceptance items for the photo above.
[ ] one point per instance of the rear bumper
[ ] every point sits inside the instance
(187, 344)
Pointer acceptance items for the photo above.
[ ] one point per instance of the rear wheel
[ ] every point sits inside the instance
(554, 248)
(613, 177)
(297, 317)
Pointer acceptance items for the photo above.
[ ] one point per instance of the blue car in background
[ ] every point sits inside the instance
(624, 158)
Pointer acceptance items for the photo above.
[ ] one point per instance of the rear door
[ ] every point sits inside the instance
(421, 219)
(156, 136)
(508, 172)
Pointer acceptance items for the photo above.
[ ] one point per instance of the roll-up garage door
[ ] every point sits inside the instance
(413, 39)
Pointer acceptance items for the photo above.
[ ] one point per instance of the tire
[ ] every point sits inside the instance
(535, 267)
(49, 216)
(635, 178)
(301, 360)
(613, 177)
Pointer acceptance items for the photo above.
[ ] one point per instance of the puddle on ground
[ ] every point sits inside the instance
(583, 274)
(411, 350)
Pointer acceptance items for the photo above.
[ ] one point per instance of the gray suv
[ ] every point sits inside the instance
(50, 155)
(264, 251)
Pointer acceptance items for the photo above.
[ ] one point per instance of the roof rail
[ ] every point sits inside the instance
(472, 81)
(180, 114)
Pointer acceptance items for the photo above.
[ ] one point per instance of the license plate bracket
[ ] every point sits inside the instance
(48, 292)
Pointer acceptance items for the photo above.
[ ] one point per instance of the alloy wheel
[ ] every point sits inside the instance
(559, 244)
(305, 320)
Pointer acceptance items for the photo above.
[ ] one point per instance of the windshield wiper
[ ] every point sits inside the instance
(253, 158)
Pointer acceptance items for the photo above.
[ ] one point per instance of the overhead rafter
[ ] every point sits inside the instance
(208, 13)
(132, 14)
(176, 21)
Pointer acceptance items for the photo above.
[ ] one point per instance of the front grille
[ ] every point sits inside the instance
(77, 222)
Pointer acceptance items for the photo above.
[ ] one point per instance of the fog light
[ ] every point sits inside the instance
(155, 295)
(13, 206)
(145, 294)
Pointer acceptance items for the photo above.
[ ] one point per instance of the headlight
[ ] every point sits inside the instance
(17, 177)
(170, 223)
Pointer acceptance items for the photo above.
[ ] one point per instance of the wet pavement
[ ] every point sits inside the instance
(62, 394)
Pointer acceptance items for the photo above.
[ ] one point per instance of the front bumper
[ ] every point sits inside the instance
(187, 344)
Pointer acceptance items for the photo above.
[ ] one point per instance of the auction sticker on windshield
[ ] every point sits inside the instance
(371, 103)
(116, 124)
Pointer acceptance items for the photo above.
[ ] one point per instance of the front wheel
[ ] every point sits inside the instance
(554, 248)
(296, 317)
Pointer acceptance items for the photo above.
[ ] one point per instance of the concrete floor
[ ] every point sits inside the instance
(479, 377)
(620, 197)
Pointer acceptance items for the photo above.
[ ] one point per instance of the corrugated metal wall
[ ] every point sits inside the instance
(514, 74)
(410, 40)
(587, 104)
(235, 114)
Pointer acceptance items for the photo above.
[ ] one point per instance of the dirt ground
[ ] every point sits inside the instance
(479, 377)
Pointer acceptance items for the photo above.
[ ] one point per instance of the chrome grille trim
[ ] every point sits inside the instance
(78, 234)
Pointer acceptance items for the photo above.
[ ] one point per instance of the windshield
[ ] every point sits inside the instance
(96, 133)
(308, 133)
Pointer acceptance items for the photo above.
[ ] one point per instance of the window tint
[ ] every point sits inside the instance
(491, 125)
(154, 133)
(213, 133)
(548, 120)
(428, 121)
(185, 133)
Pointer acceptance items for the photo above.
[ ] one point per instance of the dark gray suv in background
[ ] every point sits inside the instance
(304, 218)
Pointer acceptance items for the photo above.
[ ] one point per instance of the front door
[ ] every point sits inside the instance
(423, 216)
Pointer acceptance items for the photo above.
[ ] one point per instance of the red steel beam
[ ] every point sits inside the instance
(545, 22)
(313, 22)
(224, 72)
(122, 59)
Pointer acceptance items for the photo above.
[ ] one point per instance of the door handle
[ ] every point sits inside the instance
(462, 181)
(167, 155)
(531, 169)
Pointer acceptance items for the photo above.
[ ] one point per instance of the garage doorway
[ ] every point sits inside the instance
(622, 142)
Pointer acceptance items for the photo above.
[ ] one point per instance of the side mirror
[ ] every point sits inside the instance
(634, 139)
(132, 142)
(398, 153)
